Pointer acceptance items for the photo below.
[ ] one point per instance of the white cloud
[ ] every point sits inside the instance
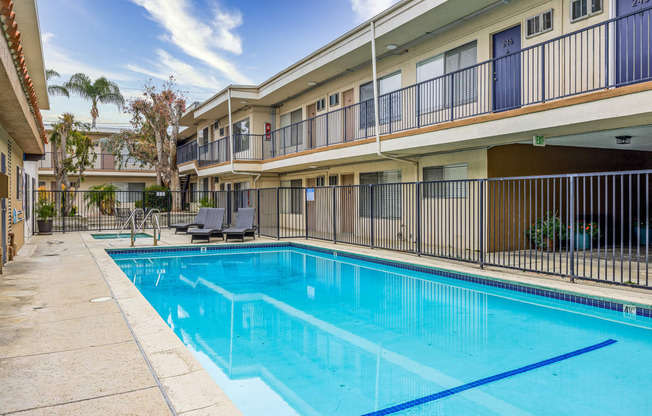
(184, 73)
(201, 39)
(366, 9)
(61, 61)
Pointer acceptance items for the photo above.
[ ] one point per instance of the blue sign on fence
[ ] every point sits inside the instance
(310, 194)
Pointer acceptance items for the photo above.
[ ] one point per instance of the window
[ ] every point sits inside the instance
(19, 183)
(332, 180)
(292, 135)
(389, 101)
(581, 9)
(224, 131)
(129, 192)
(539, 24)
(320, 181)
(435, 90)
(241, 135)
(434, 188)
(321, 104)
(291, 198)
(386, 198)
(193, 191)
(41, 184)
(334, 99)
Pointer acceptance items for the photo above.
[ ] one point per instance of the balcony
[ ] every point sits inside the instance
(610, 54)
(103, 162)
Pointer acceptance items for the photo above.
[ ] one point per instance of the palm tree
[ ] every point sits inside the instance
(99, 91)
(55, 89)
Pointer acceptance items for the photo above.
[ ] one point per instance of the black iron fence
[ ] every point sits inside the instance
(589, 226)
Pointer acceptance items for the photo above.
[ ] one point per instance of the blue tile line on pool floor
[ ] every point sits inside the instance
(486, 380)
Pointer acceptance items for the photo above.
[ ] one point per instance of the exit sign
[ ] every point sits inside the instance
(538, 140)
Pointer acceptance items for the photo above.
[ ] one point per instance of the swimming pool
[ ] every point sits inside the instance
(286, 330)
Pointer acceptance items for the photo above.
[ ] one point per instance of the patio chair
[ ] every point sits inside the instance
(213, 227)
(123, 214)
(199, 221)
(244, 225)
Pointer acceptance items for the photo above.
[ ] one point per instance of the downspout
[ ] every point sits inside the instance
(232, 143)
(376, 106)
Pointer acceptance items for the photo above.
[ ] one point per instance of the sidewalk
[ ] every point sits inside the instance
(61, 354)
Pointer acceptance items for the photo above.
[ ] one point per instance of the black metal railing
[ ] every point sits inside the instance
(610, 54)
(103, 161)
(595, 226)
(187, 152)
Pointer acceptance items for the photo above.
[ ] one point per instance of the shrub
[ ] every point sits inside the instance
(44, 208)
(152, 198)
(103, 197)
(591, 228)
(207, 202)
(546, 228)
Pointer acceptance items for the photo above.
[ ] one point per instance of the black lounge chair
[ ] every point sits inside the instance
(213, 227)
(200, 219)
(244, 225)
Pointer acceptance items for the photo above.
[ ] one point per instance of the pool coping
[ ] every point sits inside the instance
(569, 295)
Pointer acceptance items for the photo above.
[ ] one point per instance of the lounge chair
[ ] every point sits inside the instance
(244, 225)
(213, 227)
(199, 221)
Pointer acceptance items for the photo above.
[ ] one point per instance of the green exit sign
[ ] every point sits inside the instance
(538, 140)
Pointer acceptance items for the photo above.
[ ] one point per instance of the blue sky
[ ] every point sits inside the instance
(205, 44)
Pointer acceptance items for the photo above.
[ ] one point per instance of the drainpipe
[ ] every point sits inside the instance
(376, 105)
(232, 143)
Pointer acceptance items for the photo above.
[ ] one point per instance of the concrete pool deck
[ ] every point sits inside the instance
(61, 354)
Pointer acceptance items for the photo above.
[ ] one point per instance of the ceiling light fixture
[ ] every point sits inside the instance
(391, 46)
(623, 139)
(312, 83)
(244, 102)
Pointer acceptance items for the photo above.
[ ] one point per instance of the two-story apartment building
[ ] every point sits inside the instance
(463, 88)
(128, 174)
(22, 135)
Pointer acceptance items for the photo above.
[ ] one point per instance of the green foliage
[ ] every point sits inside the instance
(44, 207)
(591, 228)
(100, 91)
(207, 202)
(73, 211)
(103, 197)
(152, 198)
(546, 228)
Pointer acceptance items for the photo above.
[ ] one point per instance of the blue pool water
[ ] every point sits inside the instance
(290, 331)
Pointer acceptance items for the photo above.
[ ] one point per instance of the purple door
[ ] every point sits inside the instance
(633, 41)
(507, 69)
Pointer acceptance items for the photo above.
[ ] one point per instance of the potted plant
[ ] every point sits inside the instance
(547, 231)
(44, 211)
(643, 230)
(585, 234)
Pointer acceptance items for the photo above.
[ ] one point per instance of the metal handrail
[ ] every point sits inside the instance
(149, 213)
(130, 219)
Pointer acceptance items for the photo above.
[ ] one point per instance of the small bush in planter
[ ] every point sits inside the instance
(44, 211)
(207, 202)
(545, 231)
(585, 232)
(152, 198)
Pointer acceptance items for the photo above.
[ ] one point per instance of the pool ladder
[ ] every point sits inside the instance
(131, 221)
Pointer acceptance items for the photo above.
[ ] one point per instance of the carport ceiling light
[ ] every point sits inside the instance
(391, 46)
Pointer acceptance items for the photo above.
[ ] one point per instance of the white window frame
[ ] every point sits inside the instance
(589, 9)
(321, 104)
(447, 190)
(540, 18)
(334, 97)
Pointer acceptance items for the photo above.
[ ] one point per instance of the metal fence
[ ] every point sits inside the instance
(588, 226)
(609, 54)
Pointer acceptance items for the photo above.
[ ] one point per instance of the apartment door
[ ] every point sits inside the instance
(349, 122)
(347, 204)
(312, 125)
(107, 161)
(633, 41)
(507, 69)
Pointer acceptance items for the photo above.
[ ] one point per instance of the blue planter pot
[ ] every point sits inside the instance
(582, 241)
(643, 234)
